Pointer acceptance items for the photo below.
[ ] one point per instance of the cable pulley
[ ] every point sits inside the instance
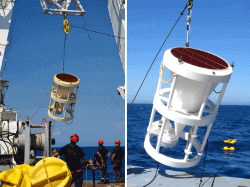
(66, 24)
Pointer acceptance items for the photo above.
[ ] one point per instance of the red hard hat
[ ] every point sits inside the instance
(74, 138)
(117, 142)
(100, 142)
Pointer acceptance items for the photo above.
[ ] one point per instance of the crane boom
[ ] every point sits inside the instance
(6, 9)
(116, 10)
(117, 15)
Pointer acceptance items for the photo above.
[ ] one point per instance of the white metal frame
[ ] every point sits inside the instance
(195, 119)
(68, 104)
(59, 7)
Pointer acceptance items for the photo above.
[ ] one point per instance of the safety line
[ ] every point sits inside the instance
(97, 32)
(52, 82)
(99, 67)
(156, 57)
(46, 172)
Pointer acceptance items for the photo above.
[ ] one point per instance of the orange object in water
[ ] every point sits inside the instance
(230, 149)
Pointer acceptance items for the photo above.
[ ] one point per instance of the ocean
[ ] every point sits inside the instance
(232, 122)
(89, 154)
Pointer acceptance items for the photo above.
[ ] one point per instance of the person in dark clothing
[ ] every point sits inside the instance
(97, 160)
(102, 152)
(73, 154)
(117, 158)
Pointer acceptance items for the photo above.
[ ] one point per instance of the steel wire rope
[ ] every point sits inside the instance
(155, 172)
(204, 166)
(52, 82)
(216, 173)
(99, 68)
(156, 57)
(204, 159)
(217, 92)
(4, 141)
(64, 52)
(97, 32)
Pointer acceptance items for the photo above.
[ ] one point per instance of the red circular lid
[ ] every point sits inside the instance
(199, 58)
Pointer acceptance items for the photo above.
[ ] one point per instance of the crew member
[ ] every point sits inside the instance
(73, 154)
(102, 152)
(97, 160)
(117, 157)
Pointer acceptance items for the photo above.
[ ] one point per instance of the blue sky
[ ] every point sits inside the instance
(219, 27)
(33, 57)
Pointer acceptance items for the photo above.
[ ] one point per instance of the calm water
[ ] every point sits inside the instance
(232, 122)
(89, 153)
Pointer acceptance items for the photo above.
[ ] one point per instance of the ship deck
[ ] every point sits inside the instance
(139, 176)
(90, 184)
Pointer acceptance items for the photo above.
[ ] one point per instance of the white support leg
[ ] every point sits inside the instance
(188, 150)
(151, 119)
(204, 102)
(221, 95)
(205, 138)
(161, 134)
(172, 92)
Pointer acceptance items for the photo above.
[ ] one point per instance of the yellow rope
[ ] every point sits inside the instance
(46, 172)
(163, 80)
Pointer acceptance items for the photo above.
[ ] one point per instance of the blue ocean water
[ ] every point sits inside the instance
(89, 154)
(232, 122)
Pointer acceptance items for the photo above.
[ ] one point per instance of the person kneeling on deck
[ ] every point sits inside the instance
(73, 154)
(117, 157)
(102, 152)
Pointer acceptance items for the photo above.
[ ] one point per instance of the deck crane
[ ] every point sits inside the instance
(16, 140)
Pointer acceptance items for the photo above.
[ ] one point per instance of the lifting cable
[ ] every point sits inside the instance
(56, 73)
(155, 172)
(64, 51)
(99, 67)
(204, 160)
(157, 56)
(215, 174)
(97, 32)
(204, 167)
(189, 5)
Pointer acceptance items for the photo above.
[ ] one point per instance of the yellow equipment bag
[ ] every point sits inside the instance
(51, 172)
(17, 176)
(48, 172)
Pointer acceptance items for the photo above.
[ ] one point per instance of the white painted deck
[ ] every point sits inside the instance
(139, 176)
